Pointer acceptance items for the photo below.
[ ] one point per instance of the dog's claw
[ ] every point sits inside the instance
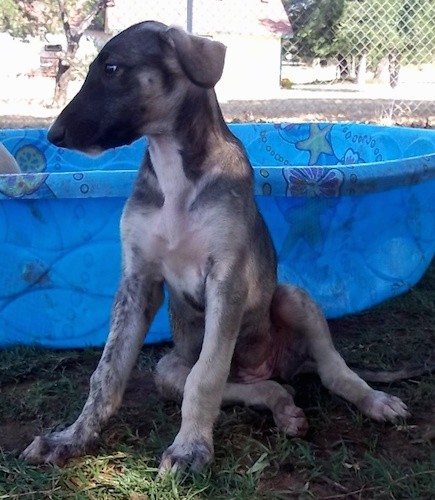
(55, 449)
(384, 407)
(181, 457)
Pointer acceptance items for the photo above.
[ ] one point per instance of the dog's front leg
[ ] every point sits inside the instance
(204, 387)
(136, 303)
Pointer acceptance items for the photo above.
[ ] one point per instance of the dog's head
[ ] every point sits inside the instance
(135, 86)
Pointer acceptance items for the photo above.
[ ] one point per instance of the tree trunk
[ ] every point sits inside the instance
(380, 69)
(362, 69)
(63, 75)
(73, 35)
(343, 67)
(394, 67)
(61, 87)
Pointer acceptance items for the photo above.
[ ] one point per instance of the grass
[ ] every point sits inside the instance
(345, 455)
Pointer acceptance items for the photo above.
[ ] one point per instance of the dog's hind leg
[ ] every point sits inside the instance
(295, 315)
(273, 396)
(135, 305)
(171, 374)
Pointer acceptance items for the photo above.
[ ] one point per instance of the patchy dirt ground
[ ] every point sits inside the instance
(339, 438)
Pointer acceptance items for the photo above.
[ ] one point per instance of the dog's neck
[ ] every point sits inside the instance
(198, 130)
(167, 163)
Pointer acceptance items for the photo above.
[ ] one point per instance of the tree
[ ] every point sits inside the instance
(368, 31)
(24, 18)
(76, 19)
(314, 23)
(397, 30)
(416, 26)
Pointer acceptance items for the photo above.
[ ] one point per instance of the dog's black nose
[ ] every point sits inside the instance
(56, 134)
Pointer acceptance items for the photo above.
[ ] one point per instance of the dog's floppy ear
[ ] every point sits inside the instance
(201, 59)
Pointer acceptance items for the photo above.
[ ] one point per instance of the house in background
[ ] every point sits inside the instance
(251, 30)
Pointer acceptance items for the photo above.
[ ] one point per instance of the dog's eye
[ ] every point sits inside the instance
(110, 69)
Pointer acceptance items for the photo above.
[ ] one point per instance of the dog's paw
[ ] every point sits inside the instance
(190, 456)
(290, 418)
(383, 407)
(55, 448)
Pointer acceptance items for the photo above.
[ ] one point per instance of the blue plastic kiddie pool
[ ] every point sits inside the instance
(350, 207)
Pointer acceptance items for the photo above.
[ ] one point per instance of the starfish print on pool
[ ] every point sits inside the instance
(317, 143)
(304, 225)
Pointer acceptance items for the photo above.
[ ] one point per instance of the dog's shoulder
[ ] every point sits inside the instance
(146, 191)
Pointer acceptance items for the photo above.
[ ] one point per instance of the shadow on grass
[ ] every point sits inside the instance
(345, 455)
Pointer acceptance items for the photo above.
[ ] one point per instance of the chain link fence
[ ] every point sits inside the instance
(341, 60)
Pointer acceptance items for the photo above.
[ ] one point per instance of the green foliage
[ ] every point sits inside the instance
(11, 19)
(417, 28)
(23, 18)
(325, 28)
(314, 23)
(367, 25)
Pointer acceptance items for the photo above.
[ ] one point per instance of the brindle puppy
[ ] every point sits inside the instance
(192, 224)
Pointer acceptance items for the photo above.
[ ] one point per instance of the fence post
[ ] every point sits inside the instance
(189, 16)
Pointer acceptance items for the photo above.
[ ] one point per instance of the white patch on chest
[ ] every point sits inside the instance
(170, 236)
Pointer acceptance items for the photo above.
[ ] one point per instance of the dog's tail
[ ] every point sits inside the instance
(8, 164)
(386, 376)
